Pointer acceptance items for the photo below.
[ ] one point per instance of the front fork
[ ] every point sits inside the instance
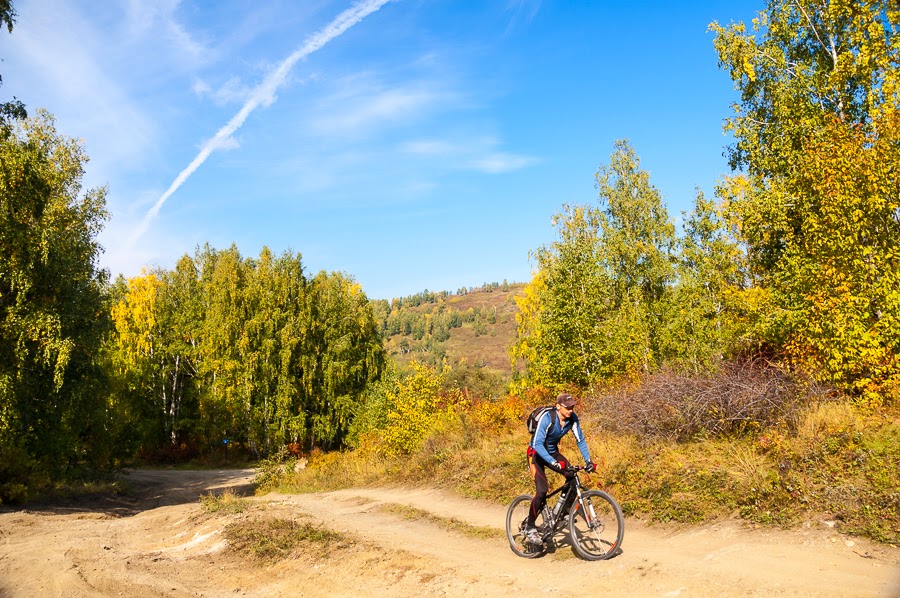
(588, 509)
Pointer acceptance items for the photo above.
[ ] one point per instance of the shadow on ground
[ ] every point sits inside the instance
(150, 489)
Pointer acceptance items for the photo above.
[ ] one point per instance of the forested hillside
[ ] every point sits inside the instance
(473, 327)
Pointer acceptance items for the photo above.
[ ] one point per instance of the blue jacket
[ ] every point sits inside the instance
(548, 434)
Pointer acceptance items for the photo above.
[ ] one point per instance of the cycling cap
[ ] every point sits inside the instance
(566, 400)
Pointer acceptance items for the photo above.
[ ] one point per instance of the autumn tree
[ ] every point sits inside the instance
(12, 110)
(399, 411)
(247, 349)
(816, 138)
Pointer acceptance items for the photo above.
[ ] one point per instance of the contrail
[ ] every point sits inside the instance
(263, 94)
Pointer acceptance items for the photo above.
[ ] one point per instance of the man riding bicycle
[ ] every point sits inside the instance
(544, 452)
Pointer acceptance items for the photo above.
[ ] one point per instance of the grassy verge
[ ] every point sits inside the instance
(448, 523)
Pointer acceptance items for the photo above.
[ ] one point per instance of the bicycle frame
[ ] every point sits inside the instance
(557, 519)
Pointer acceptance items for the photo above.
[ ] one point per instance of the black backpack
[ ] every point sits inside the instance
(531, 421)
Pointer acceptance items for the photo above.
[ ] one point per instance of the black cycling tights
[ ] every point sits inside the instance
(536, 465)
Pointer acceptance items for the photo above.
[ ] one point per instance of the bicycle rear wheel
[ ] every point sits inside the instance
(596, 525)
(516, 518)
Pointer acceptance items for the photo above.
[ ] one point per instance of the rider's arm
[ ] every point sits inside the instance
(539, 443)
(582, 441)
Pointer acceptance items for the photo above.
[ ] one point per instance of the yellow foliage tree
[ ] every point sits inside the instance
(819, 202)
(416, 403)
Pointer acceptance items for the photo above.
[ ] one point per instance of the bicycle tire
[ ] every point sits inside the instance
(596, 533)
(516, 515)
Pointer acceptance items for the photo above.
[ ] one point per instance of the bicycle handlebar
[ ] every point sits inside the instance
(577, 468)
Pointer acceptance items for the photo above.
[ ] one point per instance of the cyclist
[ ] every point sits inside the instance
(544, 452)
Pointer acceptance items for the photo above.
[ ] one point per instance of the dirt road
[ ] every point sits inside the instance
(158, 542)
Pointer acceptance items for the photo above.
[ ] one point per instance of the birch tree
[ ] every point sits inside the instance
(816, 136)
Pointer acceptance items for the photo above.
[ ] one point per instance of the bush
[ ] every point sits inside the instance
(398, 413)
(741, 397)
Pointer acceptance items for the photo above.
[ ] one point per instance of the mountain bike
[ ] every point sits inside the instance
(595, 522)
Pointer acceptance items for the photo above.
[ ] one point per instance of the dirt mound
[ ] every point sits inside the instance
(159, 542)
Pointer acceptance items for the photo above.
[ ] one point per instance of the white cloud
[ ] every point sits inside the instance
(521, 11)
(233, 91)
(59, 57)
(502, 162)
(342, 114)
(223, 143)
(262, 95)
(429, 147)
(201, 88)
(478, 154)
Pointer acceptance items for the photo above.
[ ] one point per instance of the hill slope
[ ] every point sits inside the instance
(472, 329)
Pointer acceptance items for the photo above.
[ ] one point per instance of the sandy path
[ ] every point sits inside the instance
(158, 543)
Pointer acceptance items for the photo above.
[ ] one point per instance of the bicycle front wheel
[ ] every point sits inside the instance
(596, 525)
(516, 519)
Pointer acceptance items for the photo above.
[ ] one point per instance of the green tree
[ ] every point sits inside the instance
(52, 311)
(156, 352)
(816, 135)
(594, 309)
(343, 354)
(704, 319)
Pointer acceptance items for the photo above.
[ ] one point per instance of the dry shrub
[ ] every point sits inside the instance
(226, 502)
(495, 416)
(741, 397)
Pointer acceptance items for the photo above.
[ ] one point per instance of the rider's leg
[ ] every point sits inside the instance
(536, 466)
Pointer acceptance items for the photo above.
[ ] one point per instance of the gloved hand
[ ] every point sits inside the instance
(590, 467)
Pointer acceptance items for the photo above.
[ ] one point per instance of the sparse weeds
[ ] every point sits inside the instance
(275, 538)
(226, 502)
(447, 523)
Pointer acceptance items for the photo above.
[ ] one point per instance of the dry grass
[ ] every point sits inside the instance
(827, 418)
(799, 458)
(226, 502)
(448, 523)
(272, 539)
(746, 465)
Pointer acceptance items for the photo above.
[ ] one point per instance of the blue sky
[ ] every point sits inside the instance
(425, 145)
